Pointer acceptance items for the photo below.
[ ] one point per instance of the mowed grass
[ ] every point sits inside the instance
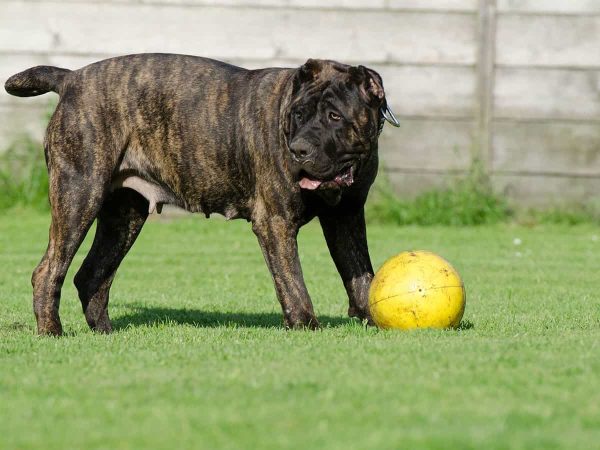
(199, 358)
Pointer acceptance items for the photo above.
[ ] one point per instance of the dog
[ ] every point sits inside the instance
(277, 147)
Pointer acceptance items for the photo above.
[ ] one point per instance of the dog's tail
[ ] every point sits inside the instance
(36, 81)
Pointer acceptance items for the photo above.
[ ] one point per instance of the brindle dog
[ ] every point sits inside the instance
(275, 146)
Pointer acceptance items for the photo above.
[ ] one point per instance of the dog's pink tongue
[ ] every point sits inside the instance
(307, 183)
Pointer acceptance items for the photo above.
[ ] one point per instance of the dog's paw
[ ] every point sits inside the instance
(49, 328)
(302, 321)
(363, 314)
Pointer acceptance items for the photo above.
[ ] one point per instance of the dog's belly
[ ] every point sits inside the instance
(162, 179)
(158, 196)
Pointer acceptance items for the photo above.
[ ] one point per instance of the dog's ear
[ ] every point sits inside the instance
(309, 71)
(369, 83)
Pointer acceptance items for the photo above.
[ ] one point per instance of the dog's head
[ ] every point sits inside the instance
(335, 117)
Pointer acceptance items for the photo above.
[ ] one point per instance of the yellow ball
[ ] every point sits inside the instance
(417, 290)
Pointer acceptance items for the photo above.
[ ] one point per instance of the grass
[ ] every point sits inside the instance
(199, 358)
(465, 200)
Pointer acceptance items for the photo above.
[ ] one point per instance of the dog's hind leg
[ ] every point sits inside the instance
(75, 199)
(119, 223)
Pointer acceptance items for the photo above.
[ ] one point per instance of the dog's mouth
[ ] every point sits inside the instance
(344, 179)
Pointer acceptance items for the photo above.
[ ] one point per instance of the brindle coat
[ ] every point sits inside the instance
(274, 146)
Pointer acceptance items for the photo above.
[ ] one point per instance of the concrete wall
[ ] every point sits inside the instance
(516, 82)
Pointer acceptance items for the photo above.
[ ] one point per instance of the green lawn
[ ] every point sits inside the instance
(199, 358)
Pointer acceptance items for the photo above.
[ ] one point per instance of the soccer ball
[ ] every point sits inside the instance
(417, 289)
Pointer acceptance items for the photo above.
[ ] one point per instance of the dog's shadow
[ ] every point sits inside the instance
(151, 316)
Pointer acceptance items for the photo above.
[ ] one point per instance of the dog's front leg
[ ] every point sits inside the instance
(277, 239)
(346, 238)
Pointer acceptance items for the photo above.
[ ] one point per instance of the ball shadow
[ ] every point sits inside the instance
(465, 325)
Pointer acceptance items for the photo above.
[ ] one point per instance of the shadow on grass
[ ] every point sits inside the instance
(148, 316)
(465, 325)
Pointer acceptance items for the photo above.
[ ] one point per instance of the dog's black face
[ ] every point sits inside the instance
(334, 122)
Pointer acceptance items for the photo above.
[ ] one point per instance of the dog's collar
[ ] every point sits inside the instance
(386, 114)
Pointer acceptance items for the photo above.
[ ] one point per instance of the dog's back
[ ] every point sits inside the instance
(134, 69)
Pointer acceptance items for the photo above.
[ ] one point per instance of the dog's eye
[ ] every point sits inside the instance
(298, 115)
(335, 117)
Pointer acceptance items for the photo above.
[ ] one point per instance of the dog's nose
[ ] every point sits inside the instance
(302, 149)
